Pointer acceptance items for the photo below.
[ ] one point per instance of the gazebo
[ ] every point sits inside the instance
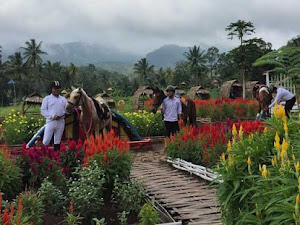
(143, 94)
(231, 89)
(33, 99)
(198, 92)
(105, 98)
(251, 88)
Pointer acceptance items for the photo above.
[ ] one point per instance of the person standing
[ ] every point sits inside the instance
(53, 109)
(283, 95)
(171, 109)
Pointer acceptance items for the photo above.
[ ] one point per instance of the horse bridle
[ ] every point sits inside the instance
(77, 101)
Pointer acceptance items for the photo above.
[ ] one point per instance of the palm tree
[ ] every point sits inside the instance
(32, 53)
(143, 69)
(240, 29)
(196, 60)
(294, 42)
(14, 65)
(73, 71)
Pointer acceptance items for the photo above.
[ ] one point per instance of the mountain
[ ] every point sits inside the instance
(82, 53)
(166, 56)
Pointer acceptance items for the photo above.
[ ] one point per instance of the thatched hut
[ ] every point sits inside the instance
(143, 94)
(231, 89)
(33, 99)
(105, 98)
(198, 92)
(251, 88)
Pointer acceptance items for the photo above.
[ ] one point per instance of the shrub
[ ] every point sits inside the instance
(10, 176)
(86, 190)
(19, 128)
(52, 197)
(111, 154)
(33, 207)
(37, 163)
(261, 183)
(146, 123)
(128, 196)
(148, 215)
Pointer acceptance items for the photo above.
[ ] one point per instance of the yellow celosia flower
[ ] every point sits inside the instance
(293, 157)
(234, 131)
(285, 127)
(299, 116)
(231, 160)
(284, 148)
(264, 172)
(259, 167)
(298, 198)
(249, 161)
(241, 132)
(265, 130)
(223, 157)
(274, 161)
(229, 146)
(297, 167)
(277, 142)
(282, 164)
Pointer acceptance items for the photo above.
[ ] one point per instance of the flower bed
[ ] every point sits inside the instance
(18, 128)
(146, 123)
(261, 175)
(90, 178)
(221, 109)
(204, 145)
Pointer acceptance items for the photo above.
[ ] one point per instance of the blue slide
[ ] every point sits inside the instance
(131, 131)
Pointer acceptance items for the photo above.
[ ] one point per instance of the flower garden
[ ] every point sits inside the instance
(88, 182)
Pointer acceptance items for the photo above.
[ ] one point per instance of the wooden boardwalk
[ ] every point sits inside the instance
(187, 198)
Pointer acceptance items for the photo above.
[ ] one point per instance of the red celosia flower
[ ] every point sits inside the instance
(11, 214)
(105, 157)
(20, 206)
(71, 207)
(5, 219)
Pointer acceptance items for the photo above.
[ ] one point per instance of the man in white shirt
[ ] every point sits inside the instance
(283, 95)
(53, 109)
(171, 109)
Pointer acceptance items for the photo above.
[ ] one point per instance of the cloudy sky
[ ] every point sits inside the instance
(140, 26)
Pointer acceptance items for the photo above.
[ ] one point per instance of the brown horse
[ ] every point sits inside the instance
(264, 98)
(89, 117)
(188, 107)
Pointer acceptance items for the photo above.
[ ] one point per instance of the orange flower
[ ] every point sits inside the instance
(11, 214)
(5, 219)
(71, 207)
(180, 123)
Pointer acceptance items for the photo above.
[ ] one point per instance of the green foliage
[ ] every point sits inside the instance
(86, 190)
(52, 197)
(148, 215)
(129, 196)
(33, 207)
(18, 128)
(261, 177)
(146, 123)
(116, 164)
(123, 218)
(99, 222)
(143, 70)
(72, 219)
(10, 175)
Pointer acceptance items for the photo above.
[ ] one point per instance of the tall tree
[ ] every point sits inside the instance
(212, 57)
(73, 71)
(32, 53)
(0, 54)
(294, 42)
(196, 61)
(239, 29)
(143, 69)
(14, 66)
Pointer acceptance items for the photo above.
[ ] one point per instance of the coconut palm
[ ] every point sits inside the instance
(196, 60)
(143, 69)
(73, 71)
(15, 66)
(32, 53)
(240, 29)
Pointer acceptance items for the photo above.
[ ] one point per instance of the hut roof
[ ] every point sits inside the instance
(179, 91)
(197, 90)
(144, 90)
(33, 99)
(104, 96)
(226, 87)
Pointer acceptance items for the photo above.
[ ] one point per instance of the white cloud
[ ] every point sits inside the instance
(142, 25)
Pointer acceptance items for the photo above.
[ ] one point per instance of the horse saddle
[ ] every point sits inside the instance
(103, 111)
